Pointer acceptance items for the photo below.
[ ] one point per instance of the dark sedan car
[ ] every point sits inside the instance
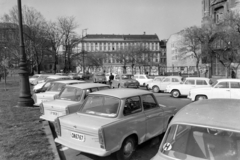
(125, 81)
(99, 78)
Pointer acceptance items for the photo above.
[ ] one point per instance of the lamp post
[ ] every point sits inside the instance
(83, 51)
(25, 99)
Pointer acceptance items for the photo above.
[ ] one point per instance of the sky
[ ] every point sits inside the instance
(161, 17)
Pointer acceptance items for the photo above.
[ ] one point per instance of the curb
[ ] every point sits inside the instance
(49, 135)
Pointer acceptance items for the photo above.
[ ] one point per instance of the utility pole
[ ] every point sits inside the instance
(25, 99)
(83, 50)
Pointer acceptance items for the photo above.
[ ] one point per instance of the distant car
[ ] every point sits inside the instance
(41, 78)
(115, 120)
(156, 79)
(142, 79)
(52, 91)
(99, 77)
(222, 88)
(74, 76)
(33, 78)
(61, 74)
(69, 100)
(84, 76)
(43, 86)
(157, 86)
(125, 81)
(190, 83)
(204, 130)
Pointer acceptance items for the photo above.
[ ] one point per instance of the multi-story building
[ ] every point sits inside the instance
(215, 9)
(154, 57)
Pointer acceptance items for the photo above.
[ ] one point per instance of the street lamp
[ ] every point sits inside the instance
(83, 50)
(25, 99)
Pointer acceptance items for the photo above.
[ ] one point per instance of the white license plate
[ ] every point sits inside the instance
(54, 113)
(77, 136)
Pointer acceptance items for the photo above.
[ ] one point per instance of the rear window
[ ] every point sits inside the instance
(56, 87)
(99, 105)
(71, 94)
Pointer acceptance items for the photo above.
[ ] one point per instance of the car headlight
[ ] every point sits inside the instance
(41, 108)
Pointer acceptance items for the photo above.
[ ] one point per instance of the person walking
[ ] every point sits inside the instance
(111, 77)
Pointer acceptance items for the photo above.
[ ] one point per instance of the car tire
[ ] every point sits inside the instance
(175, 93)
(127, 149)
(200, 97)
(155, 89)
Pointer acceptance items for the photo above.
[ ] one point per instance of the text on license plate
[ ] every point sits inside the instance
(77, 136)
(54, 113)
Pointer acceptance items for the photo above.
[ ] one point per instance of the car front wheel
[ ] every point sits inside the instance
(175, 93)
(127, 149)
(155, 89)
(200, 97)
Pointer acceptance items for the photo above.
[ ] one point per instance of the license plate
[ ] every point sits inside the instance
(77, 136)
(54, 113)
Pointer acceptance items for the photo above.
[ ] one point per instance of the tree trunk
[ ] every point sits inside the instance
(197, 67)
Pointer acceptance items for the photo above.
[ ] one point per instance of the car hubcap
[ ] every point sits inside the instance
(128, 149)
(175, 94)
(201, 98)
(155, 89)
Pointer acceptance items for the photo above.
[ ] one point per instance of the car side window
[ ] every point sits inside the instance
(94, 89)
(201, 82)
(132, 105)
(222, 85)
(149, 102)
(175, 80)
(103, 88)
(142, 77)
(166, 80)
(190, 82)
(235, 85)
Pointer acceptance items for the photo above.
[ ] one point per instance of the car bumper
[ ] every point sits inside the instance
(95, 151)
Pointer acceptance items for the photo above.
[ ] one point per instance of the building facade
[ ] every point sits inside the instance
(215, 9)
(154, 57)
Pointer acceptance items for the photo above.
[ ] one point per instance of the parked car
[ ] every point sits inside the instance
(33, 78)
(157, 80)
(114, 120)
(41, 78)
(184, 88)
(222, 88)
(157, 86)
(142, 79)
(69, 100)
(43, 86)
(53, 89)
(206, 130)
(74, 76)
(61, 74)
(99, 77)
(125, 81)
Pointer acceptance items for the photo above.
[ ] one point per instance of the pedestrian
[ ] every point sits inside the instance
(233, 74)
(111, 77)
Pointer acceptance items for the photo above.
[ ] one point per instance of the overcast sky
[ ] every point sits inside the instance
(161, 17)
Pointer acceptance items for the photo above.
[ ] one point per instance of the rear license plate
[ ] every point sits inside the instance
(54, 113)
(77, 136)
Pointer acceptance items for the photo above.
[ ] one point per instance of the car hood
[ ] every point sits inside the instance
(84, 121)
(58, 104)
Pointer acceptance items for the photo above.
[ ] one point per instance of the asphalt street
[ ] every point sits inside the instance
(144, 152)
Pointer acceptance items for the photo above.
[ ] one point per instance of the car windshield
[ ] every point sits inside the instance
(158, 79)
(126, 77)
(148, 77)
(35, 76)
(214, 83)
(71, 94)
(42, 77)
(56, 87)
(195, 143)
(99, 105)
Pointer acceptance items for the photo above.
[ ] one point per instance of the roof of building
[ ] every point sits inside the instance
(216, 113)
(122, 93)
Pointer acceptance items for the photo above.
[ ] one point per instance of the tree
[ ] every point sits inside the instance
(192, 44)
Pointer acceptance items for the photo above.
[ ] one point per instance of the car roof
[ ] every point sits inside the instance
(58, 77)
(197, 78)
(229, 79)
(218, 113)
(122, 93)
(68, 81)
(88, 85)
(173, 77)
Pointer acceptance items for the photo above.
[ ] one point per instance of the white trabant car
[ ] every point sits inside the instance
(69, 100)
(43, 86)
(157, 86)
(52, 91)
(222, 88)
(204, 130)
(190, 83)
(113, 121)
(33, 78)
(156, 79)
(142, 79)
